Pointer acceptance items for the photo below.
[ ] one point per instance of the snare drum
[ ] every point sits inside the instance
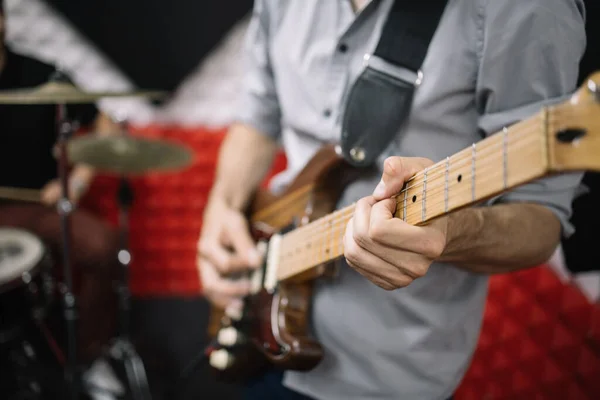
(26, 285)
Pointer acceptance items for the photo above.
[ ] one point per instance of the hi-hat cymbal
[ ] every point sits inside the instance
(63, 93)
(128, 155)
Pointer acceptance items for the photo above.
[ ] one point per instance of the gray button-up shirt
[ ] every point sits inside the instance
(491, 63)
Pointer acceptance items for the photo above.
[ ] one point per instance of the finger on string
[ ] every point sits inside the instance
(243, 245)
(217, 255)
(382, 224)
(396, 171)
(360, 220)
(371, 263)
(222, 286)
(398, 235)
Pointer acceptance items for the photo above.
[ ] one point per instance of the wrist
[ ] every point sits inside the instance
(227, 196)
(463, 230)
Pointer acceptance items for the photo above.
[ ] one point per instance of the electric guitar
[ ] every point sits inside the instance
(302, 236)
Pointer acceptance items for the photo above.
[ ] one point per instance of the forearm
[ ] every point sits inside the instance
(501, 238)
(244, 160)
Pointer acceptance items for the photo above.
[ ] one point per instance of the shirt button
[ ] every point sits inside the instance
(327, 113)
(343, 48)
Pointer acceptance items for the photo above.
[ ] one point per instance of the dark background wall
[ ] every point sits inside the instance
(156, 43)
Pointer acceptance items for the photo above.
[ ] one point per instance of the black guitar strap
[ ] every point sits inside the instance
(380, 100)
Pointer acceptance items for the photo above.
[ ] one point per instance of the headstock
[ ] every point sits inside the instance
(574, 130)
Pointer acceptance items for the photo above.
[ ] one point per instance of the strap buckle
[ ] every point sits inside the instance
(404, 74)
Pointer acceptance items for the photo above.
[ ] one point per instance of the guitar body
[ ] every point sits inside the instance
(273, 329)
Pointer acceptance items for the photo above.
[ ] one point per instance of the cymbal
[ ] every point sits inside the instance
(61, 92)
(128, 155)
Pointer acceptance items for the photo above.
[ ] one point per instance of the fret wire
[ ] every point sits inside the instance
(424, 195)
(331, 238)
(321, 226)
(473, 155)
(332, 229)
(446, 184)
(405, 196)
(341, 244)
(317, 246)
(505, 156)
(341, 238)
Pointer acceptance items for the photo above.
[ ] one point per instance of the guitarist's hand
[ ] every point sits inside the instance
(386, 250)
(225, 248)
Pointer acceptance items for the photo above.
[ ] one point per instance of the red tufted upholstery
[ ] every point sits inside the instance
(540, 339)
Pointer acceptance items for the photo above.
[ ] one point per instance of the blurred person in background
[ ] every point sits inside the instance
(27, 142)
(490, 64)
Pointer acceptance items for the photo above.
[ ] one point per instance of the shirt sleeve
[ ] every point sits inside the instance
(258, 105)
(529, 57)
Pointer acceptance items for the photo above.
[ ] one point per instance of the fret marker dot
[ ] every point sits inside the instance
(414, 198)
(460, 178)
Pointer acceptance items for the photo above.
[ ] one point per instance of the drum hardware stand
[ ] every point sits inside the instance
(123, 351)
(65, 208)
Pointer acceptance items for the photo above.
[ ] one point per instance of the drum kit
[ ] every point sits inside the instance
(27, 287)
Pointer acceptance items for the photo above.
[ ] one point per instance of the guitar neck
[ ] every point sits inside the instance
(502, 161)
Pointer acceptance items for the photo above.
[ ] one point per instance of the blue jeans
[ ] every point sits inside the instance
(269, 387)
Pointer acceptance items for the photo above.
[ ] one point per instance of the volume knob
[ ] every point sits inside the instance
(228, 336)
(221, 359)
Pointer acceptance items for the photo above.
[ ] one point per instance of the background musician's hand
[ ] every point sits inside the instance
(386, 250)
(79, 182)
(225, 248)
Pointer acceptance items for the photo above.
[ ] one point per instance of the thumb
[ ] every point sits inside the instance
(396, 171)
